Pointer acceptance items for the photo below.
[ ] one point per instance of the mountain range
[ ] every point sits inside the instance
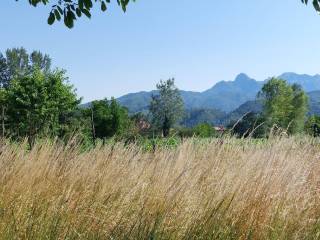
(227, 96)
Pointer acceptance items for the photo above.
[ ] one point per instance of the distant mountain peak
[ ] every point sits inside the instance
(242, 77)
(225, 95)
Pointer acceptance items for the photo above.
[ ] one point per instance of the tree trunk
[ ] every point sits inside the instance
(93, 131)
(166, 127)
(2, 123)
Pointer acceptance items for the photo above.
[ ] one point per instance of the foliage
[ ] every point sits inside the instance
(70, 10)
(108, 119)
(316, 4)
(199, 189)
(204, 130)
(250, 125)
(166, 108)
(284, 105)
(17, 63)
(300, 108)
(38, 104)
(312, 126)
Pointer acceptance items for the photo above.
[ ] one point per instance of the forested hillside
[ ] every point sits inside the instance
(225, 96)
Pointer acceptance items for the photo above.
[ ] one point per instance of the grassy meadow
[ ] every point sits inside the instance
(209, 189)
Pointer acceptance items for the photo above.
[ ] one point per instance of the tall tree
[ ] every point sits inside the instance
(17, 62)
(4, 75)
(299, 110)
(107, 118)
(166, 107)
(3, 106)
(284, 105)
(38, 102)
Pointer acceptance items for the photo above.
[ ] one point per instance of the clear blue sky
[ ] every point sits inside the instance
(197, 42)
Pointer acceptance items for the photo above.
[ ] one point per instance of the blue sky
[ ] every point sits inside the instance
(197, 42)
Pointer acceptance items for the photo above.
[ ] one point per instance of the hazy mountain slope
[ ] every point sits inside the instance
(225, 96)
(256, 107)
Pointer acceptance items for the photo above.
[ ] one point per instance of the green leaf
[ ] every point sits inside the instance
(86, 12)
(103, 6)
(51, 18)
(57, 14)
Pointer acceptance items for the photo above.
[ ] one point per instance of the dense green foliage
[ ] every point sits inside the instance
(166, 107)
(284, 106)
(249, 125)
(108, 119)
(38, 104)
(312, 126)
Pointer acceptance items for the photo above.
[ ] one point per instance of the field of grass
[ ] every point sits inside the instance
(218, 189)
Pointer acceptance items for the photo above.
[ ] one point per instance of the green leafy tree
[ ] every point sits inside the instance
(3, 106)
(38, 104)
(284, 105)
(70, 10)
(4, 75)
(108, 119)
(277, 96)
(299, 110)
(251, 125)
(17, 62)
(167, 107)
(312, 126)
(204, 130)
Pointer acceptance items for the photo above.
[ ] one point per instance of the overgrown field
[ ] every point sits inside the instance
(218, 189)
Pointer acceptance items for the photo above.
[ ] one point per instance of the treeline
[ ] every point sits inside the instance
(284, 111)
(38, 102)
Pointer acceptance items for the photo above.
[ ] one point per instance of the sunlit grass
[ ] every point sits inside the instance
(211, 189)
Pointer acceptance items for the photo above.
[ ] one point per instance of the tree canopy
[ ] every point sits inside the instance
(70, 10)
(166, 107)
(284, 106)
(316, 4)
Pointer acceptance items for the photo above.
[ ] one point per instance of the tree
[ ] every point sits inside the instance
(251, 125)
(312, 126)
(299, 110)
(166, 107)
(17, 62)
(284, 105)
(70, 10)
(108, 119)
(3, 104)
(204, 130)
(38, 104)
(4, 75)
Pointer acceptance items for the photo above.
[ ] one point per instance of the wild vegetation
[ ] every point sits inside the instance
(71, 171)
(215, 189)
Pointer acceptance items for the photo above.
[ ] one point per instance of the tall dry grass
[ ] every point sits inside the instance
(201, 190)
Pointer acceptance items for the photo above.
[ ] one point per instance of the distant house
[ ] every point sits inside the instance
(143, 125)
(220, 129)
